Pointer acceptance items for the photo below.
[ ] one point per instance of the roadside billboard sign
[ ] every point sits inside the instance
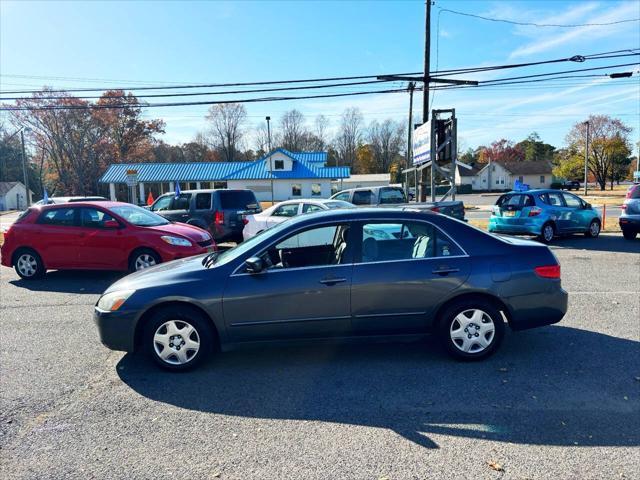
(422, 143)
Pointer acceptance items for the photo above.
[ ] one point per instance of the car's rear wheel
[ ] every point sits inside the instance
(28, 264)
(594, 229)
(629, 234)
(471, 329)
(547, 233)
(178, 338)
(143, 258)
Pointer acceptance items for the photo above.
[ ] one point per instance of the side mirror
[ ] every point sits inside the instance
(587, 206)
(254, 265)
(111, 224)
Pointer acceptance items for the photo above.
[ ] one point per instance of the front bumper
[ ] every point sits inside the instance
(117, 330)
(530, 311)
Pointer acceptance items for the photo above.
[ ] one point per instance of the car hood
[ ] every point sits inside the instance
(174, 272)
(193, 233)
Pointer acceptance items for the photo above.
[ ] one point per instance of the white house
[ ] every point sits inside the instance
(294, 175)
(364, 180)
(502, 175)
(13, 196)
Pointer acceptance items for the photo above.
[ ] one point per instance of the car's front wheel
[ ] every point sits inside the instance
(594, 229)
(28, 264)
(143, 258)
(178, 338)
(471, 329)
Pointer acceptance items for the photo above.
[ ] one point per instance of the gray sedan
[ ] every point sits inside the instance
(336, 275)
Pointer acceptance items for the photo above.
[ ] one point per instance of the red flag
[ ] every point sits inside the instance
(150, 199)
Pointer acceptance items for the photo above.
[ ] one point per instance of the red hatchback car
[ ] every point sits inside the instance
(97, 236)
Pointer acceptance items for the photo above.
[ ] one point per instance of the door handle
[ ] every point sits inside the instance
(445, 270)
(332, 281)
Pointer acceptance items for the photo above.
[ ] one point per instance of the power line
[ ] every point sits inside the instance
(531, 24)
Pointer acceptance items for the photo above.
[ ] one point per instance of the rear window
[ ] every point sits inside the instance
(203, 201)
(238, 200)
(24, 215)
(516, 200)
(392, 195)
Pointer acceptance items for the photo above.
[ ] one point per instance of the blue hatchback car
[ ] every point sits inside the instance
(545, 214)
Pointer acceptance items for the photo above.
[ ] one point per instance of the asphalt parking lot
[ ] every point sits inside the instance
(557, 402)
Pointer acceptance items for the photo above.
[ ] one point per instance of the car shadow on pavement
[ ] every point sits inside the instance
(604, 243)
(551, 386)
(71, 281)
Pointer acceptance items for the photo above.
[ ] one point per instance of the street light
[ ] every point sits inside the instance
(268, 118)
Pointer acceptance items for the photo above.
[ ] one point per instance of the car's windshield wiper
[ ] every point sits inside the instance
(210, 259)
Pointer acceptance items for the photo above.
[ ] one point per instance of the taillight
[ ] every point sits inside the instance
(436, 209)
(219, 218)
(535, 211)
(548, 271)
(245, 220)
(623, 206)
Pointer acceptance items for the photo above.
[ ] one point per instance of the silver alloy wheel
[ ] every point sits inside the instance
(27, 265)
(176, 342)
(472, 331)
(144, 261)
(594, 229)
(547, 233)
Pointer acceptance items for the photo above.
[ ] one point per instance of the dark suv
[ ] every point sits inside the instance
(218, 211)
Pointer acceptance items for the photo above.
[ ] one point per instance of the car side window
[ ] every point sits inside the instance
(93, 218)
(405, 241)
(344, 196)
(203, 201)
(317, 246)
(555, 199)
(572, 201)
(362, 197)
(288, 210)
(163, 203)
(60, 216)
(182, 202)
(391, 195)
(310, 207)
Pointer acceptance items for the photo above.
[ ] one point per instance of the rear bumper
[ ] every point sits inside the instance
(530, 311)
(518, 226)
(630, 222)
(116, 329)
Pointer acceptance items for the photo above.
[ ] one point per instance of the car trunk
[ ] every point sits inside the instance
(234, 206)
(515, 206)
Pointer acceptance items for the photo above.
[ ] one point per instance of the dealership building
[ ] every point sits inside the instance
(294, 175)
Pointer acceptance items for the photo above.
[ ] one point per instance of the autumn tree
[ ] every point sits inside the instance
(608, 145)
(386, 140)
(226, 128)
(365, 160)
(568, 164)
(502, 151)
(349, 135)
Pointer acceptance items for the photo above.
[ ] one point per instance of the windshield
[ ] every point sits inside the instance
(139, 216)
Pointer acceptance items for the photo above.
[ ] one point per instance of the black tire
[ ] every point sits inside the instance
(181, 316)
(544, 234)
(592, 231)
(629, 234)
(143, 256)
(28, 264)
(449, 321)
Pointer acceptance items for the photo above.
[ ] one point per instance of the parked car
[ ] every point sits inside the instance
(571, 185)
(221, 212)
(97, 236)
(282, 211)
(394, 196)
(545, 214)
(630, 218)
(443, 277)
(56, 200)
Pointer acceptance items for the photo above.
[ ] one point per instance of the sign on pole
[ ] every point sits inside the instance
(132, 178)
(422, 143)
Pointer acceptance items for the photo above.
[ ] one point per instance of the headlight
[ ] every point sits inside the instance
(180, 242)
(114, 300)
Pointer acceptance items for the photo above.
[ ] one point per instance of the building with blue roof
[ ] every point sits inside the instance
(294, 175)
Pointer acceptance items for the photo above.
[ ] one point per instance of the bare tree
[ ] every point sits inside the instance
(349, 136)
(226, 128)
(293, 131)
(386, 140)
(321, 132)
(262, 139)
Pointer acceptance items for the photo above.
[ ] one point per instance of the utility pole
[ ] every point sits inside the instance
(412, 87)
(24, 170)
(270, 161)
(586, 157)
(425, 97)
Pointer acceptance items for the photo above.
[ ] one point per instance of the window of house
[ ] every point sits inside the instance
(296, 189)
(60, 216)
(316, 190)
(541, 178)
(278, 164)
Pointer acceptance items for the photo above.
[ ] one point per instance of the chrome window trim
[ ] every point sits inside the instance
(411, 259)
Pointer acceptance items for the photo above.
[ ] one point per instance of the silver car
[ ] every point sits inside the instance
(630, 218)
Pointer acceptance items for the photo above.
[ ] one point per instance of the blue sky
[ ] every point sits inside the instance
(95, 44)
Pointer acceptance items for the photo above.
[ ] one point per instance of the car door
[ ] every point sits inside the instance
(579, 218)
(101, 246)
(303, 292)
(60, 237)
(558, 211)
(402, 270)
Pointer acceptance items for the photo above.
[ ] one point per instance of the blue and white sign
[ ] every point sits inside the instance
(422, 143)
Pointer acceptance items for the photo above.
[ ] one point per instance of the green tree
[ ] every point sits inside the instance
(568, 164)
(534, 148)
